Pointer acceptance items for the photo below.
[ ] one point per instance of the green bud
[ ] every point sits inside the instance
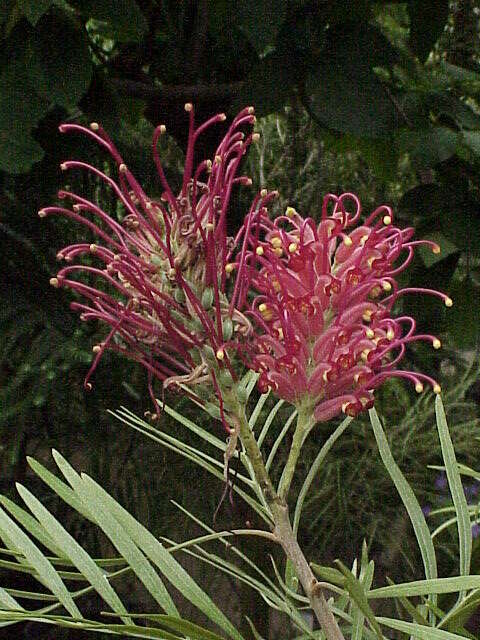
(227, 325)
(241, 394)
(213, 410)
(225, 378)
(207, 298)
(156, 260)
(179, 295)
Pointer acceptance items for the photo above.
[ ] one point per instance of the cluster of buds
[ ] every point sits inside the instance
(324, 292)
(158, 277)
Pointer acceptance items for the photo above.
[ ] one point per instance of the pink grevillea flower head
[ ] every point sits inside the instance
(156, 273)
(323, 310)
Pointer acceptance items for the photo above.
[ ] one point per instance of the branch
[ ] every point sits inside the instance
(177, 93)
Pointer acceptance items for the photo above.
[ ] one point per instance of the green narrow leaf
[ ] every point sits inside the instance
(59, 487)
(72, 550)
(126, 532)
(409, 500)
(314, 469)
(118, 535)
(419, 631)
(357, 592)
(425, 587)
(157, 553)
(456, 489)
(31, 525)
(366, 579)
(268, 422)
(7, 602)
(34, 556)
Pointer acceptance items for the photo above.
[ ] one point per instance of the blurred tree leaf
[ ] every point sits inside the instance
(260, 20)
(427, 147)
(472, 140)
(33, 10)
(269, 84)
(446, 248)
(427, 21)
(461, 225)
(64, 59)
(123, 19)
(345, 93)
(461, 114)
(20, 110)
(462, 318)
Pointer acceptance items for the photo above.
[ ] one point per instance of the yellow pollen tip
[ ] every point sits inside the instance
(370, 333)
(42, 213)
(278, 251)
(96, 348)
(218, 159)
(437, 389)
(54, 282)
(436, 249)
(290, 212)
(292, 247)
(209, 226)
(248, 181)
(448, 302)
(162, 128)
(347, 241)
(325, 376)
(436, 343)
(344, 406)
(387, 220)
(386, 286)
(263, 193)
(188, 106)
(262, 307)
(63, 166)
(94, 126)
(220, 354)
(255, 137)
(88, 386)
(275, 242)
(208, 165)
(259, 251)
(390, 334)
(122, 167)
(172, 272)
(93, 248)
(229, 267)
(280, 333)
(222, 117)
(364, 354)
(250, 110)
(419, 387)
(363, 239)
(367, 316)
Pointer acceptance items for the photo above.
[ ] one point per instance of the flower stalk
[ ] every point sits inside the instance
(276, 502)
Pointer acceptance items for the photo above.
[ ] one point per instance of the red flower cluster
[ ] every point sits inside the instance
(161, 270)
(324, 328)
(317, 299)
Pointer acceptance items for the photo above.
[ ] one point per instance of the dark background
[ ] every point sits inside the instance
(379, 98)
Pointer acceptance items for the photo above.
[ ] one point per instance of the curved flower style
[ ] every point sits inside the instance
(325, 333)
(164, 264)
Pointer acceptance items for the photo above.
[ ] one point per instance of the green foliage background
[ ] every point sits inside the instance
(379, 98)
